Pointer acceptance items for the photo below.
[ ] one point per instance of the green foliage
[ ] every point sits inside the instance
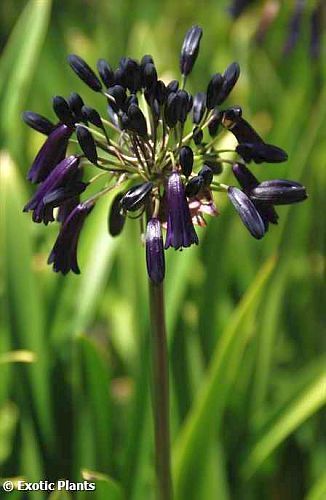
(245, 318)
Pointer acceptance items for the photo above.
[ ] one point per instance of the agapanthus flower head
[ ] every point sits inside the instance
(141, 148)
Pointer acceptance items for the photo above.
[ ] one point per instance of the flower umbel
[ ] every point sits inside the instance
(155, 148)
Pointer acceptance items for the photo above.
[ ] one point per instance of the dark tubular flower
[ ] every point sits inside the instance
(64, 253)
(199, 107)
(50, 154)
(63, 111)
(190, 49)
(87, 143)
(154, 251)
(230, 78)
(213, 90)
(242, 130)
(38, 122)
(186, 160)
(136, 197)
(106, 72)
(279, 192)
(51, 192)
(180, 229)
(261, 152)
(116, 219)
(247, 211)
(248, 182)
(84, 72)
(76, 103)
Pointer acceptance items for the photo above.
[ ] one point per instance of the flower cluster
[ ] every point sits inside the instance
(157, 149)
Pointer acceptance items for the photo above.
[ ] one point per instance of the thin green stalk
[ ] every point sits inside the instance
(160, 392)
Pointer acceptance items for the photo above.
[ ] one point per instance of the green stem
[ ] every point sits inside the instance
(160, 391)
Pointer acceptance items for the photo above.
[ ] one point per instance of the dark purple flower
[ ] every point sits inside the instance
(116, 219)
(190, 49)
(248, 181)
(133, 199)
(247, 211)
(53, 191)
(199, 107)
(64, 252)
(38, 122)
(84, 72)
(180, 229)
(155, 251)
(279, 192)
(261, 152)
(51, 153)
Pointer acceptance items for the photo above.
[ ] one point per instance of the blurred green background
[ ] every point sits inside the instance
(246, 319)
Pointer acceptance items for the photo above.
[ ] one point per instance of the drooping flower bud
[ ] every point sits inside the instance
(136, 197)
(173, 86)
(261, 152)
(194, 185)
(106, 72)
(137, 120)
(92, 116)
(247, 211)
(279, 192)
(119, 95)
(149, 76)
(63, 111)
(50, 154)
(76, 103)
(186, 160)
(154, 251)
(64, 253)
(199, 107)
(116, 219)
(87, 143)
(213, 90)
(180, 229)
(197, 136)
(230, 77)
(57, 178)
(84, 72)
(38, 122)
(207, 174)
(214, 123)
(242, 130)
(190, 49)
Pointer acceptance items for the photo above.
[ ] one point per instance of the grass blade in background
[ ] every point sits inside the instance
(23, 51)
(24, 300)
(206, 409)
(309, 402)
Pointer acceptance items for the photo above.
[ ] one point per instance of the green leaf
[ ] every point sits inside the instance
(22, 57)
(97, 396)
(109, 488)
(318, 491)
(208, 407)
(25, 305)
(307, 403)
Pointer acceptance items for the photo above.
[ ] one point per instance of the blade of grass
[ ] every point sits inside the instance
(24, 50)
(25, 306)
(309, 402)
(105, 486)
(206, 409)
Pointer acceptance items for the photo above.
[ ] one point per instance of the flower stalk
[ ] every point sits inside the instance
(160, 392)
